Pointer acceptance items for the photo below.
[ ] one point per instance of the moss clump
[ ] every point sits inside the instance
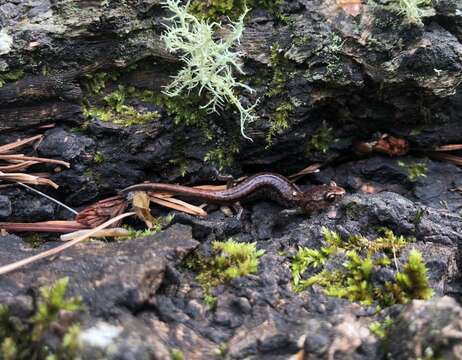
(160, 223)
(230, 260)
(353, 280)
(185, 110)
(25, 339)
(222, 157)
(415, 170)
(321, 140)
(9, 76)
(380, 329)
(412, 282)
(98, 158)
(117, 112)
(279, 122)
(176, 354)
(217, 9)
(281, 67)
(96, 83)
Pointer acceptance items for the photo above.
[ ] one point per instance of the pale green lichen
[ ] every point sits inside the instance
(209, 63)
(412, 9)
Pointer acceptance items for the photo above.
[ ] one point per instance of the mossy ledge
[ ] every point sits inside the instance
(230, 260)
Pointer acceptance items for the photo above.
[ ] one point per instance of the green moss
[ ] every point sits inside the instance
(176, 354)
(217, 9)
(230, 260)
(9, 76)
(279, 122)
(185, 110)
(96, 83)
(116, 111)
(98, 158)
(353, 280)
(222, 157)
(161, 223)
(25, 338)
(415, 170)
(413, 280)
(321, 140)
(281, 67)
(380, 329)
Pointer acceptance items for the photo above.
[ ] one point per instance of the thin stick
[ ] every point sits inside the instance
(32, 158)
(48, 197)
(18, 264)
(114, 232)
(17, 144)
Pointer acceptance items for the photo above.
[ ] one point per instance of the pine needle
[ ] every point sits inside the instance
(19, 264)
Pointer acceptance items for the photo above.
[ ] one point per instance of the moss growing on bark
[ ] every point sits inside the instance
(230, 260)
(10, 76)
(321, 140)
(218, 9)
(116, 111)
(353, 280)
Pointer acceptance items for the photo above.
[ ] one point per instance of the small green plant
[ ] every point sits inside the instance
(135, 234)
(380, 329)
(12, 75)
(176, 354)
(96, 83)
(98, 158)
(413, 280)
(415, 170)
(117, 112)
(279, 121)
(209, 64)
(321, 140)
(25, 339)
(353, 280)
(222, 157)
(231, 260)
(412, 9)
(217, 9)
(280, 66)
(306, 258)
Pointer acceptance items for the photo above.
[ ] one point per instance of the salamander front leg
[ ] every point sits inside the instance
(228, 179)
(238, 210)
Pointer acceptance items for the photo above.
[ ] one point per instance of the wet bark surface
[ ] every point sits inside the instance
(344, 78)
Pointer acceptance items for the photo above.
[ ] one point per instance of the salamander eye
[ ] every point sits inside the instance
(330, 197)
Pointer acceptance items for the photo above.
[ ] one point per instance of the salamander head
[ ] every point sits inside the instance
(320, 197)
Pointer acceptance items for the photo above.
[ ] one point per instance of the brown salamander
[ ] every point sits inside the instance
(263, 185)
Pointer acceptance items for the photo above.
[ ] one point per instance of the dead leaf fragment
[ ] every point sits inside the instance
(140, 204)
